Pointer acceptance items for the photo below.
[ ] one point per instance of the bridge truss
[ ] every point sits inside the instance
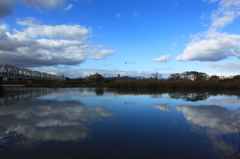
(22, 73)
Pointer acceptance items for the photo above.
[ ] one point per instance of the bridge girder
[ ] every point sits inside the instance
(15, 72)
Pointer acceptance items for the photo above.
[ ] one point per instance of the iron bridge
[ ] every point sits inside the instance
(22, 73)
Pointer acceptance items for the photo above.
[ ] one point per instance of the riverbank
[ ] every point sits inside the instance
(167, 85)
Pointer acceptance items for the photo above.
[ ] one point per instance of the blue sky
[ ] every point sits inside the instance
(131, 38)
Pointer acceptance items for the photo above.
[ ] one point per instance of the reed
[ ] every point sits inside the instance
(176, 85)
(232, 138)
(10, 141)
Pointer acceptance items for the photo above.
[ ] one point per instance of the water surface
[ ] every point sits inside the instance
(88, 123)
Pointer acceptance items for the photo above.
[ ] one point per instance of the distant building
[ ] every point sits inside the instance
(221, 77)
(192, 77)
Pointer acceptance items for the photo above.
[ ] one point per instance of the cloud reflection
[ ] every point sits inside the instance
(163, 107)
(214, 119)
(45, 120)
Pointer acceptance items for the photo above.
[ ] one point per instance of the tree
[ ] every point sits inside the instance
(214, 77)
(195, 75)
(237, 77)
(155, 76)
(175, 76)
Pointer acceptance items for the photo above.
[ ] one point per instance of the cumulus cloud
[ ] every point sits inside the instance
(7, 6)
(165, 58)
(214, 45)
(47, 45)
(217, 47)
(44, 3)
(70, 32)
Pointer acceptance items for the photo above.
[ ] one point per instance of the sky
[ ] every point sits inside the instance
(134, 38)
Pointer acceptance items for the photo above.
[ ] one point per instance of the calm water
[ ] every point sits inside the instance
(83, 123)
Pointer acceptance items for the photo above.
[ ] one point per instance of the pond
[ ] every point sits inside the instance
(88, 123)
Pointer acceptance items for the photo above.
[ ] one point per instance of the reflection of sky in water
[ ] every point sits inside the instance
(124, 126)
(51, 120)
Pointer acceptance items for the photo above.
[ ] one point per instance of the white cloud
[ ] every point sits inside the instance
(227, 11)
(71, 32)
(217, 47)
(228, 74)
(69, 7)
(136, 14)
(101, 54)
(165, 58)
(45, 45)
(118, 15)
(4, 27)
(229, 65)
(213, 45)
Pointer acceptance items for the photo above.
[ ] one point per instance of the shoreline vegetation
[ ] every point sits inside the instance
(187, 81)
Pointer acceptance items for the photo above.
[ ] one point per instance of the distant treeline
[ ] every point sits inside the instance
(177, 82)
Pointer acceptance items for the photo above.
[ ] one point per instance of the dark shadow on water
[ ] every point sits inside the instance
(193, 97)
(186, 95)
(99, 91)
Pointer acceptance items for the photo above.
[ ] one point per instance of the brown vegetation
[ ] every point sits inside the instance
(177, 85)
(176, 82)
